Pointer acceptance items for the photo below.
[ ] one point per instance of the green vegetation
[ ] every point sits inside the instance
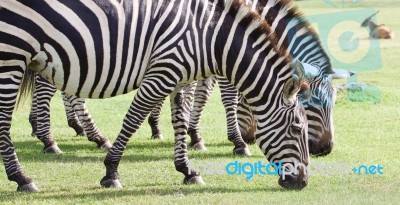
(366, 133)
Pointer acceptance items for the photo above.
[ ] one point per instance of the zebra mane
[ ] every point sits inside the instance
(293, 12)
(251, 18)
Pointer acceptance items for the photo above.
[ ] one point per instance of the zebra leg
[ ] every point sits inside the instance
(143, 103)
(10, 82)
(202, 93)
(33, 115)
(72, 118)
(229, 97)
(246, 121)
(44, 91)
(153, 121)
(92, 132)
(181, 103)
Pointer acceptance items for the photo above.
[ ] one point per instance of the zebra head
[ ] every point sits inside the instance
(303, 43)
(319, 108)
(318, 104)
(283, 136)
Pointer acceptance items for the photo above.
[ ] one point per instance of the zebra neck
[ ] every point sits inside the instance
(246, 54)
(294, 32)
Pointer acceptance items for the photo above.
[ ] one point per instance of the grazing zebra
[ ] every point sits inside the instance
(75, 107)
(303, 44)
(100, 49)
(319, 108)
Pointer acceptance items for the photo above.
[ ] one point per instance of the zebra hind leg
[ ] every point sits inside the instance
(11, 75)
(142, 104)
(181, 100)
(33, 115)
(153, 121)
(72, 118)
(91, 130)
(202, 93)
(44, 91)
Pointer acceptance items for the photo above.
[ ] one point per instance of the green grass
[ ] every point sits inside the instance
(366, 133)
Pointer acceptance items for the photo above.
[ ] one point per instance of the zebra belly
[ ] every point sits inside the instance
(48, 64)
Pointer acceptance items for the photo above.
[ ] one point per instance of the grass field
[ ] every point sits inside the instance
(366, 134)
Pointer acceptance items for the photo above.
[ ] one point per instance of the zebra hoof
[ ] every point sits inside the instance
(194, 180)
(157, 137)
(31, 187)
(242, 151)
(110, 183)
(81, 134)
(53, 149)
(199, 146)
(106, 146)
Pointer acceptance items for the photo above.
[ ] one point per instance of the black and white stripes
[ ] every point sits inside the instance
(101, 49)
(77, 114)
(303, 44)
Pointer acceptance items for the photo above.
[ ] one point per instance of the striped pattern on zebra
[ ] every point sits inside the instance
(319, 107)
(75, 107)
(201, 95)
(303, 44)
(100, 49)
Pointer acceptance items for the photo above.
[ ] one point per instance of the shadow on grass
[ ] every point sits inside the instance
(31, 150)
(99, 193)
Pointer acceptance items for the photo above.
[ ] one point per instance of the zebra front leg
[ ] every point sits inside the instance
(202, 93)
(143, 103)
(181, 103)
(229, 97)
(72, 118)
(92, 132)
(44, 91)
(10, 81)
(154, 119)
(246, 121)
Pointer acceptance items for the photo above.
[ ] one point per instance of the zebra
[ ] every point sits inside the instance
(319, 108)
(39, 117)
(304, 45)
(100, 49)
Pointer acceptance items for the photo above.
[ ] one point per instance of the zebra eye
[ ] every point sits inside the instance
(296, 129)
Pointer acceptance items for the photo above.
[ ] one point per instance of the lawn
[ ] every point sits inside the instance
(367, 133)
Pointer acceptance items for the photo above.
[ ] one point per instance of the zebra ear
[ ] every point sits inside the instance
(305, 70)
(309, 71)
(341, 73)
(297, 84)
(290, 89)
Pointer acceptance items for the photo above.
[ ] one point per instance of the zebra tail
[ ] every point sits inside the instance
(26, 88)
